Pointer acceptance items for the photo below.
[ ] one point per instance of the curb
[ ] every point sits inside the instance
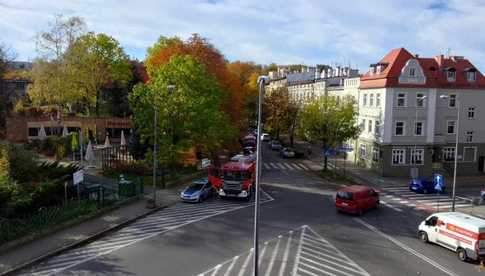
(81, 242)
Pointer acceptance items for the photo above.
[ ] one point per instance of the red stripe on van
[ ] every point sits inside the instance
(462, 231)
(453, 236)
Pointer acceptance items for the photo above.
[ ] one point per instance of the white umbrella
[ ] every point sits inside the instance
(42, 134)
(123, 140)
(64, 132)
(106, 141)
(89, 157)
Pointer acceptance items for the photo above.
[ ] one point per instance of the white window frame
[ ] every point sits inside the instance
(448, 126)
(420, 100)
(471, 110)
(403, 128)
(451, 75)
(474, 154)
(378, 99)
(449, 152)
(412, 72)
(401, 155)
(369, 126)
(416, 127)
(377, 129)
(452, 98)
(403, 98)
(371, 99)
(471, 76)
(414, 154)
(469, 136)
(364, 100)
(362, 128)
(362, 151)
(375, 154)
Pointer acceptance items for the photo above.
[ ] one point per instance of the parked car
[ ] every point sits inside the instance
(356, 199)
(265, 137)
(198, 191)
(275, 145)
(424, 185)
(291, 153)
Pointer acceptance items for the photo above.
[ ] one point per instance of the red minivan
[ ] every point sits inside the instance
(356, 199)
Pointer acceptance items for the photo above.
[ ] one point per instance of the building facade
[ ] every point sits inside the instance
(410, 109)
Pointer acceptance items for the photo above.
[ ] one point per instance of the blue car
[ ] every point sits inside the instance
(424, 185)
(198, 191)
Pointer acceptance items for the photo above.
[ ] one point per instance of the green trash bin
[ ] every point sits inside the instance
(126, 188)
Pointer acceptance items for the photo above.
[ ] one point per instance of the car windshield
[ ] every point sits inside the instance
(235, 175)
(197, 186)
(345, 195)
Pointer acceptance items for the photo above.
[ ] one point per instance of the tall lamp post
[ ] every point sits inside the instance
(262, 80)
(457, 103)
(170, 88)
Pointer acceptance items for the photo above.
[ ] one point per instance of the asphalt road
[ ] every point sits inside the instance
(300, 232)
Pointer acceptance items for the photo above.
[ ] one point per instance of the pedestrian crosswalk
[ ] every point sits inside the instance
(291, 166)
(160, 222)
(298, 252)
(431, 202)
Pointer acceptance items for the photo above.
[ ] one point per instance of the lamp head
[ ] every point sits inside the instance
(264, 79)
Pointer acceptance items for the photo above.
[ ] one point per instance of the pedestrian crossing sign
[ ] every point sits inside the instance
(438, 182)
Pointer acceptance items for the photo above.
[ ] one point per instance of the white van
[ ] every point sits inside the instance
(456, 231)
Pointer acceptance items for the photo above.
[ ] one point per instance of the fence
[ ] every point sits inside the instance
(112, 156)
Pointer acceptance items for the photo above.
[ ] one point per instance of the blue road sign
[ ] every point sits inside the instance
(345, 149)
(329, 152)
(439, 182)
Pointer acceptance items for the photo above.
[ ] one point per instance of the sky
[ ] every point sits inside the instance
(354, 33)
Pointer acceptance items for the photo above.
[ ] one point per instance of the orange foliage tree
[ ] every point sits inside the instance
(215, 63)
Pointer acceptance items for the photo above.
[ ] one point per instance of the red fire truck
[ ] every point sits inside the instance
(235, 178)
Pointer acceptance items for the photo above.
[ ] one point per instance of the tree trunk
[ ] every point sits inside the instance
(97, 103)
(325, 163)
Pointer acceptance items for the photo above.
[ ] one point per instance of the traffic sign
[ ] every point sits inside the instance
(439, 182)
(78, 177)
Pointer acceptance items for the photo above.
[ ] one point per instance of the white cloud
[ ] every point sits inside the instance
(285, 31)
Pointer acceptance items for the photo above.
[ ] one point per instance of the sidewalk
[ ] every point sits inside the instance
(83, 232)
(365, 176)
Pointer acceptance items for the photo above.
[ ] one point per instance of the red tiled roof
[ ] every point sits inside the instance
(434, 70)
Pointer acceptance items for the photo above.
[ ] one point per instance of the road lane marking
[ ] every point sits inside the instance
(390, 206)
(298, 253)
(289, 167)
(218, 267)
(273, 165)
(231, 266)
(407, 248)
(273, 256)
(285, 254)
(246, 262)
(266, 166)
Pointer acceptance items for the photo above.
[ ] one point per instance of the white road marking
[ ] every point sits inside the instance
(289, 167)
(407, 248)
(229, 269)
(273, 257)
(214, 273)
(246, 262)
(281, 166)
(266, 166)
(298, 253)
(273, 165)
(285, 254)
(390, 206)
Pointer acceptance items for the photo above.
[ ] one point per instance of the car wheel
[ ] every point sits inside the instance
(461, 254)
(423, 237)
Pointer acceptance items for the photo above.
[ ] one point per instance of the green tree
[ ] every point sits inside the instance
(187, 116)
(277, 111)
(328, 121)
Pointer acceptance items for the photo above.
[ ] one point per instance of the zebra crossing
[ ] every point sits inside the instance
(290, 166)
(298, 252)
(158, 223)
(430, 202)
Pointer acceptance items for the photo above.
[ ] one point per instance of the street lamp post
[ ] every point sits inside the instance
(170, 88)
(261, 82)
(457, 103)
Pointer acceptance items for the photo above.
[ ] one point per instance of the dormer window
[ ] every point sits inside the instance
(451, 74)
(412, 72)
(471, 75)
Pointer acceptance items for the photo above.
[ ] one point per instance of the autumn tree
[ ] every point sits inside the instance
(280, 112)
(329, 121)
(187, 116)
(214, 62)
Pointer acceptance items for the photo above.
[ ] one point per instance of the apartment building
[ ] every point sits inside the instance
(410, 109)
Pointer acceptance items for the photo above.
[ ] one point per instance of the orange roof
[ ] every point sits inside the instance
(434, 70)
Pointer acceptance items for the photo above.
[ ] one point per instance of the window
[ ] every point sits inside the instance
(369, 127)
(452, 101)
(471, 76)
(364, 101)
(362, 126)
(33, 131)
(469, 137)
(417, 156)
(362, 151)
(471, 113)
(375, 154)
(371, 100)
(420, 100)
(449, 154)
(470, 154)
(418, 128)
(398, 156)
(451, 127)
(451, 74)
(412, 72)
(376, 128)
(378, 99)
(401, 99)
(399, 131)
